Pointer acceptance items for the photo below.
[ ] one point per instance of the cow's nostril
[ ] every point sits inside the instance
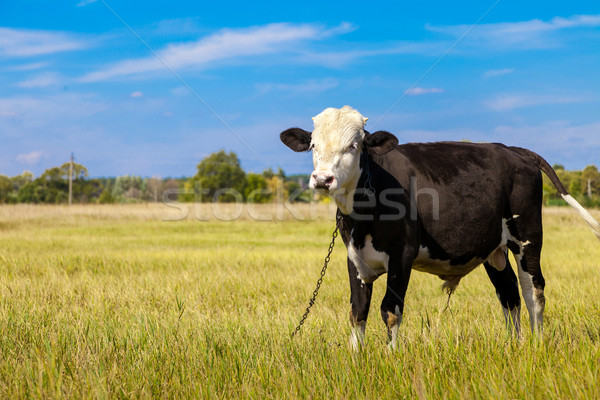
(322, 180)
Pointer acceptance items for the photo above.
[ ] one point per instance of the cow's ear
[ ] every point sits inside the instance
(296, 139)
(380, 142)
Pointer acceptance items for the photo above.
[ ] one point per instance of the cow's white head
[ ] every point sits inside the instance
(337, 142)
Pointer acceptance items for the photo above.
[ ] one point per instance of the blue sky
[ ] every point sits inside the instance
(150, 88)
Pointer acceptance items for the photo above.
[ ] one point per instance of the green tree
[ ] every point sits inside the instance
(188, 193)
(292, 187)
(575, 188)
(53, 185)
(219, 175)
(591, 174)
(79, 171)
(574, 182)
(280, 173)
(154, 188)
(19, 181)
(256, 190)
(128, 188)
(268, 173)
(6, 189)
(84, 189)
(106, 197)
(88, 190)
(565, 177)
(29, 193)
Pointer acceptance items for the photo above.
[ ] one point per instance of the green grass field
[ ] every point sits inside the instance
(116, 302)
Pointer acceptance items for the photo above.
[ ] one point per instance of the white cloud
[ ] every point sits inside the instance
(417, 91)
(507, 102)
(30, 158)
(8, 114)
(498, 72)
(180, 91)
(228, 44)
(40, 81)
(557, 141)
(337, 59)
(309, 86)
(557, 135)
(177, 26)
(27, 43)
(29, 66)
(523, 34)
(561, 142)
(136, 94)
(37, 111)
(84, 3)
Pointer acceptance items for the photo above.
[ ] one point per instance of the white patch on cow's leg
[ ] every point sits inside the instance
(526, 282)
(393, 322)
(534, 299)
(357, 335)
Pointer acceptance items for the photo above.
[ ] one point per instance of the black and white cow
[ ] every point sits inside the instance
(443, 208)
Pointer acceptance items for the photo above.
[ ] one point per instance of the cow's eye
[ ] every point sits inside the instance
(353, 147)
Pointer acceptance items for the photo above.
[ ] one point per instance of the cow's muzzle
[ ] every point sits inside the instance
(322, 180)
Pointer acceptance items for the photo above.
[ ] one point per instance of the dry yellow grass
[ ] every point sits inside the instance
(118, 301)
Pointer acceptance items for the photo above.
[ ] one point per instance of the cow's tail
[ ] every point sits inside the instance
(549, 171)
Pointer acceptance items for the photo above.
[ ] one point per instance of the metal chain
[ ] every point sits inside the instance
(311, 302)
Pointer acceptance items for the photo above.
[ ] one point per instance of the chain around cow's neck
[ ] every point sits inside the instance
(311, 302)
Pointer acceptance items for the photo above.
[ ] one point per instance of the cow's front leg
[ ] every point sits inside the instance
(360, 300)
(392, 305)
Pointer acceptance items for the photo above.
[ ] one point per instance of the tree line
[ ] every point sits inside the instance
(220, 177)
(52, 187)
(583, 185)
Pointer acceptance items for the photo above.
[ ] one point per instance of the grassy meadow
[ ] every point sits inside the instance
(147, 301)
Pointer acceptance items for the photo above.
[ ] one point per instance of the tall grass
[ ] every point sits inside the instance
(117, 301)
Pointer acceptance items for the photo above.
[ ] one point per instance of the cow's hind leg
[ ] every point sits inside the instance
(526, 232)
(507, 291)
(532, 283)
(360, 300)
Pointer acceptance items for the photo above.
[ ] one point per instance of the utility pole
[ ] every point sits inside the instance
(589, 188)
(71, 180)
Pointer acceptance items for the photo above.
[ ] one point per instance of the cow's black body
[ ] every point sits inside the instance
(479, 186)
(442, 208)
